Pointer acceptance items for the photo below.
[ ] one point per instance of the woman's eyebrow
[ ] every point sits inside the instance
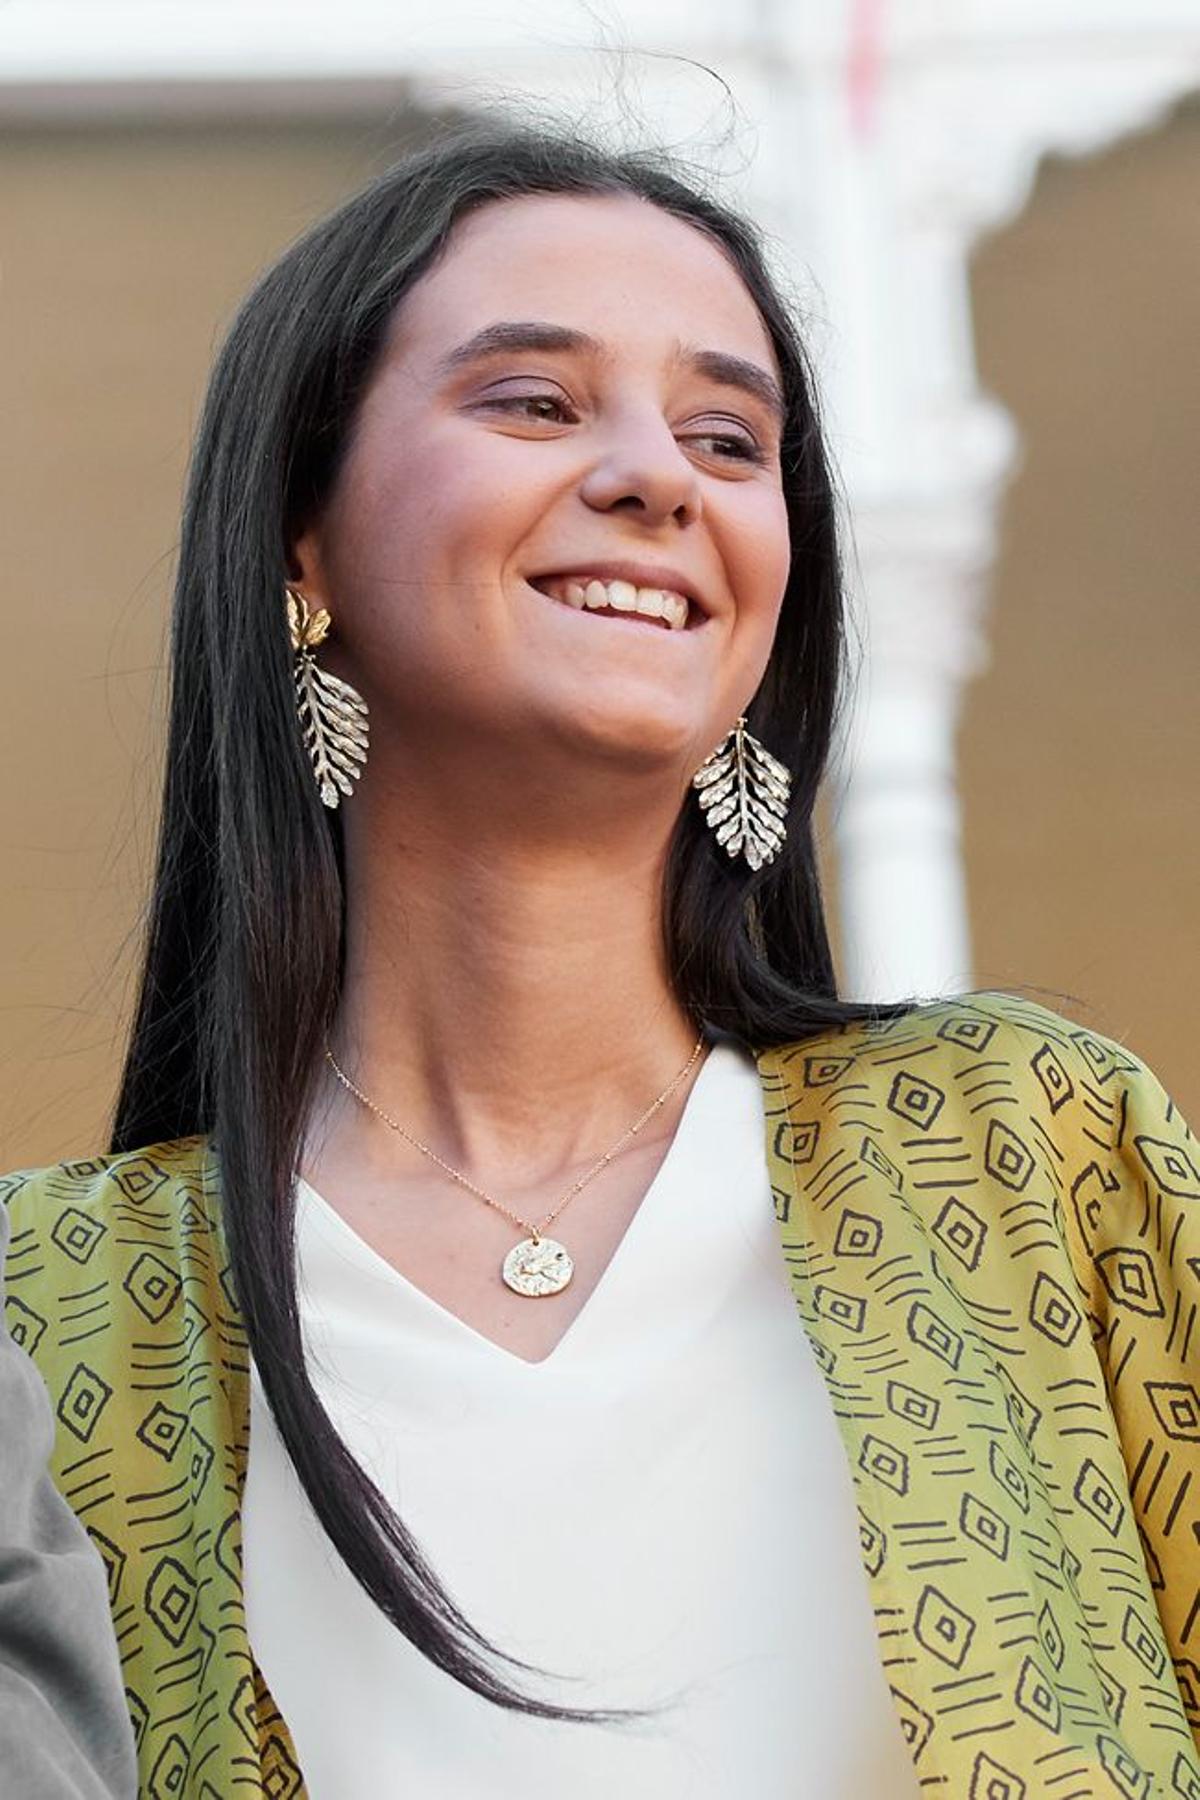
(737, 372)
(518, 334)
(537, 334)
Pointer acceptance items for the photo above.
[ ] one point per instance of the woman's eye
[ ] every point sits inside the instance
(731, 445)
(551, 408)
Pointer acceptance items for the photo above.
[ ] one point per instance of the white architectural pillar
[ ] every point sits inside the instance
(883, 201)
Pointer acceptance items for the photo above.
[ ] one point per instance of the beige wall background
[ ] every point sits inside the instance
(1080, 747)
(123, 253)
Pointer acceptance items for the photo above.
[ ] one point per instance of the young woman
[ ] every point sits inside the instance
(509, 1246)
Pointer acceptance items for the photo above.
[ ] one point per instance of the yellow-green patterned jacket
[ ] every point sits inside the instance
(991, 1221)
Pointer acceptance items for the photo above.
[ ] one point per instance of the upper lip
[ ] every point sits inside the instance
(643, 575)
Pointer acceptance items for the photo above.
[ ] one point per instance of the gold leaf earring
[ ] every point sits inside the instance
(332, 714)
(744, 792)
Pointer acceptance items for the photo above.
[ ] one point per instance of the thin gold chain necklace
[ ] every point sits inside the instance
(537, 1265)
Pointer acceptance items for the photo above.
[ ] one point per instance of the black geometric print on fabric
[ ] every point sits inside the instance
(967, 1033)
(168, 1777)
(1112, 1693)
(1100, 1496)
(822, 1071)
(1145, 1641)
(1008, 1476)
(1176, 1406)
(139, 1177)
(858, 1234)
(82, 1401)
(1187, 1674)
(162, 1430)
(916, 1725)
(114, 1560)
(915, 1101)
(876, 1158)
(1184, 1780)
(283, 1781)
(1053, 1311)
(152, 1286)
(1050, 1637)
(1131, 1781)
(200, 1467)
(1169, 1166)
(1036, 1697)
(77, 1233)
(1052, 1077)
(227, 1548)
(990, 1780)
(961, 1231)
(930, 1332)
(1128, 1273)
(1024, 1415)
(887, 1464)
(848, 1311)
(171, 1594)
(984, 1526)
(25, 1327)
(917, 1409)
(1006, 1157)
(243, 1709)
(139, 1713)
(943, 1628)
(796, 1144)
(872, 1544)
(225, 1277)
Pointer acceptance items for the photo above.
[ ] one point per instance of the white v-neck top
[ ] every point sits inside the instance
(662, 1509)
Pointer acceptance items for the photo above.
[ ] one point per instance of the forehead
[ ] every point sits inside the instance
(614, 266)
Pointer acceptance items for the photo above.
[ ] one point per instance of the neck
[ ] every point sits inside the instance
(507, 1003)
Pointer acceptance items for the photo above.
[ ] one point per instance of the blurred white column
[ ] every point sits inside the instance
(923, 563)
(899, 133)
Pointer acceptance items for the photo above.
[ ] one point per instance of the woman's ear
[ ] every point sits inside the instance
(306, 567)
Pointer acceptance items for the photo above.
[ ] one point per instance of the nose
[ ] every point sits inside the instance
(643, 471)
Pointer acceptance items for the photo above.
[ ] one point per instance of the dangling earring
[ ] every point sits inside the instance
(332, 714)
(744, 792)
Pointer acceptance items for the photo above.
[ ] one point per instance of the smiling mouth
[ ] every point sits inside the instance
(660, 608)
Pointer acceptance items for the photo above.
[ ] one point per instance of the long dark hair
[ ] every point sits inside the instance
(245, 927)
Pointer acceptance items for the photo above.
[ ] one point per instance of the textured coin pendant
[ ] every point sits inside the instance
(534, 1269)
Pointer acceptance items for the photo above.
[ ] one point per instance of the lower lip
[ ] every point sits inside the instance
(625, 618)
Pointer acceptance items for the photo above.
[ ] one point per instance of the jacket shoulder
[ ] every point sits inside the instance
(156, 1172)
(1009, 1028)
(1006, 1080)
(131, 1224)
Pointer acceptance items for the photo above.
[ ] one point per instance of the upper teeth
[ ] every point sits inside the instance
(622, 596)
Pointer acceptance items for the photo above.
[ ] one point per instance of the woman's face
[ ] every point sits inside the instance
(581, 389)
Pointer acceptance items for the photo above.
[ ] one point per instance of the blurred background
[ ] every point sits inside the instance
(989, 223)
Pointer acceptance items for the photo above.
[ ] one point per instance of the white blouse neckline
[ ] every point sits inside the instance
(344, 1241)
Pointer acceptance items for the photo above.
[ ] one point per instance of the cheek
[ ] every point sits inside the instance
(758, 557)
(397, 508)
(463, 501)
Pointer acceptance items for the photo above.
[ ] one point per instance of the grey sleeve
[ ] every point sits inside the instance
(65, 1732)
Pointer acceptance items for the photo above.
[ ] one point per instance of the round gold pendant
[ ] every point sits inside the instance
(535, 1269)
